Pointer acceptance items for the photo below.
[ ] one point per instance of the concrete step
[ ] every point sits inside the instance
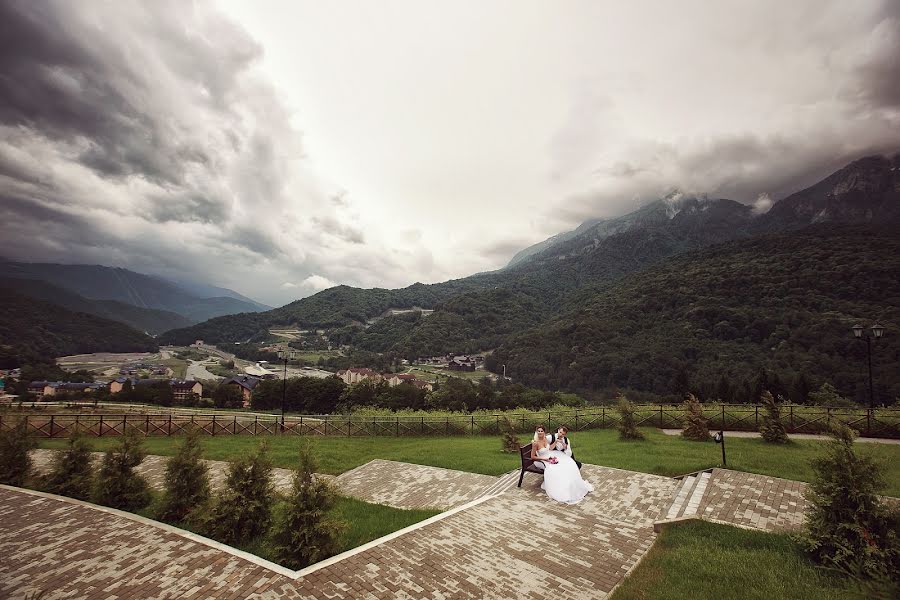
(680, 500)
(503, 483)
(696, 496)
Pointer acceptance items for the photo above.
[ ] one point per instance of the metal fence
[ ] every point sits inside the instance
(883, 422)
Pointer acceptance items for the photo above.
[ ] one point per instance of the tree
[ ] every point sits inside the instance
(826, 395)
(186, 483)
(628, 425)
(304, 532)
(847, 525)
(243, 508)
(800, 390)
(15, 463)
(695, 424)
(228, 396)
(681, 384)
(724, 392)
(117, 485)
(772, 429)
(508, 438)
(70, 471)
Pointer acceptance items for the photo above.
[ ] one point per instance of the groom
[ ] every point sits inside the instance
(560, 441)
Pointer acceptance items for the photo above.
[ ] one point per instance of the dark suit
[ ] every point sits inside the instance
(566, 440)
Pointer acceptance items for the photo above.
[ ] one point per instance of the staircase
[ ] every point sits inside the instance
(690, 493)
(503, 483)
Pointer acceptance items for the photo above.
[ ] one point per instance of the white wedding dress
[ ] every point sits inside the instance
(563, 481)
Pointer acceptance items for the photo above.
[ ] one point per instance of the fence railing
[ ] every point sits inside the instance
(883, 422)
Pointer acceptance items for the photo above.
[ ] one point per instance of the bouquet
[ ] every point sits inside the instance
(552, 460)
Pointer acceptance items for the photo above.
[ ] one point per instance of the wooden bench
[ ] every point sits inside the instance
(527, 463)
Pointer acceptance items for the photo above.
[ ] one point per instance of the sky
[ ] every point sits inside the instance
(278, 148)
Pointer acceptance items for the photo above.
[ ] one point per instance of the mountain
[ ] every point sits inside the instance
(97, 282)
(784, 303)
(33, 331)
(865, 191)
(551, 241)
(149, 320)
(481, 311)
(204, 290)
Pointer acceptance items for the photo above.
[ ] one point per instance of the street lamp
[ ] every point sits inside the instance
(877, 332)
(283, 390)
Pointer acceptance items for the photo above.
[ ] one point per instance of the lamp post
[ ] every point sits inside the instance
(877, 332)
(283, 390)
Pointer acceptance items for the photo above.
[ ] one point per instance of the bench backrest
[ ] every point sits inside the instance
(527, 462)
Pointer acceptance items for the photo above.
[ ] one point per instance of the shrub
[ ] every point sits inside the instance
(772, 429)
(117, 485)
(242, 509)
(15, 463)
(509, 439)
(847, 527)
(186, 484)
(695, 424)
(827, 395)
(304, 533)
(70, 472)
(628, 425)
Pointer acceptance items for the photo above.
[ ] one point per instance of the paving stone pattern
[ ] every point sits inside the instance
(517, 544)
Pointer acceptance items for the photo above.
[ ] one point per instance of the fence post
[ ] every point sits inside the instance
(214, 425)
(792, 418)
(234, 426)
(301, 424)
(349, 423)
(51, 425)
(99, 429)
(169, 427)
(472, 429)
(447, 426)
(423, 424)
(255, 423)
(869, 420)
(576, 420)
(397, 426)
(722, 424)
(756, 417)
(660, 416)
(147, 426)
(326, 425)
(76, 423)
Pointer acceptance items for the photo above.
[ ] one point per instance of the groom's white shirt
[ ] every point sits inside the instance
(553, 444)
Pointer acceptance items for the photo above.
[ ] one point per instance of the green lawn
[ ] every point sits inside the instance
(365, 522)
(178, 366)
(659, 453)
(697, 560)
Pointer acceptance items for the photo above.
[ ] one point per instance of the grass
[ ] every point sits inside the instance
(365, 522)
(705, 560)
(178, 366)
(431, 373)
(659, 453)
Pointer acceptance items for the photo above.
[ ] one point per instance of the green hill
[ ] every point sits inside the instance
(783, 303)
(35, 330)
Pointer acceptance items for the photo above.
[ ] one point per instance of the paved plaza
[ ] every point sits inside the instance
(496, 541)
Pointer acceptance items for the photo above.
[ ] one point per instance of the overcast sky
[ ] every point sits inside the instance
(278, 148)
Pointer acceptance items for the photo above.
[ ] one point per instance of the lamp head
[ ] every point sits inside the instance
(857, 330)
(877, 330)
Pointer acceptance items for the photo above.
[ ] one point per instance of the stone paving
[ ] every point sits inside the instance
(516, 544)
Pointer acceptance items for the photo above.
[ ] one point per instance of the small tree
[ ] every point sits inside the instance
(772, 429)
(847, 526)
(70, 472)
(695, 424)
(15, 463)
(827, 395)
(508, 437)
(117, 485)
(628, 425)
(304, 532)
(243, 508)
(186, 484)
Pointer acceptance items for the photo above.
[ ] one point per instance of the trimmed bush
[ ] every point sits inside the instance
(186, 484)
(696, 426)
(847, 526)
(243, 508)
(70, 471)
(509, 440)
(117, 485)
(772, 429)
(628, 425)
(15, 463)
(303, 532)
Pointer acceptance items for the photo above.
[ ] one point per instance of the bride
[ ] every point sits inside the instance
(562, 479)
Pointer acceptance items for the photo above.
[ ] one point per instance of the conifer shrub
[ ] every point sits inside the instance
(847, 525)
(508, 438)
(696, 427)
(628, 424)
(242, 510)
(15, 462)
(117, 485)
(186, 482)
(303, 532)
(771, 428)
(70, 470)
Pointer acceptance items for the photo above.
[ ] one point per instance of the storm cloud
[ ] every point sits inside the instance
(437, 140)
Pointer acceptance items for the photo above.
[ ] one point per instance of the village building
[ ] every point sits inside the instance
(247, 383)
(355, 375)
(461, 363)
(184, 391)
(51, 388)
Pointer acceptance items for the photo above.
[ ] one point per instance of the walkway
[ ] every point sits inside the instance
(793, 436)
(498, 542)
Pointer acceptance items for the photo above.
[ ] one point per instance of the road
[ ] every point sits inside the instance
(197, 370)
